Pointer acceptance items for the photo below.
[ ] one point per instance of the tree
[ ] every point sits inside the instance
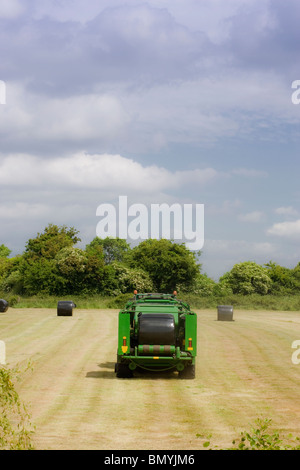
(295, 274)
(247, 278)
(39, 267)
(283, 279)
(168, 264)
(99, 277)
(128, 279)
(4, 251)
(71, 263)
(10, 277)
(113, 249)
(41, 275)
(202, 285)
(50, 242)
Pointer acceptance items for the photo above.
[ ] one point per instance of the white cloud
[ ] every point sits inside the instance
(103, 172)
(28, 118)
(10, 8)
(144, 119)
(255, 216)
(286, 211)
(285, 229)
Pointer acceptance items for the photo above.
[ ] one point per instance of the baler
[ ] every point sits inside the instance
(156, 332)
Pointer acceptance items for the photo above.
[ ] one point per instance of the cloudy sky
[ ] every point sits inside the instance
(164, 101)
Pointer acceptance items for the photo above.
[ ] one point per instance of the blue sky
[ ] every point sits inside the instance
(165, 101)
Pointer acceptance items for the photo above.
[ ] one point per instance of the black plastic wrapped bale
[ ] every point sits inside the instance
(3, 305)
(65, 308)
(156, 328)
(225, 313)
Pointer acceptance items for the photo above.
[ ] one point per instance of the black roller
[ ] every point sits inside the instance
(156, 328)
(65, 308)
(3, 305)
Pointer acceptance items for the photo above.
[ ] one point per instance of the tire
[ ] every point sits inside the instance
(189, 372)
(123, 371)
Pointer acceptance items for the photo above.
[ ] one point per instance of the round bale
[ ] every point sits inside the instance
(65, 308)
(225, 312)
(3, 305)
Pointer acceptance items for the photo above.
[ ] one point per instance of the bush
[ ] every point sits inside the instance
(168, 264)
(128, 279)
(119, 301)
(261, 438)
(15, 427)
(248, 278)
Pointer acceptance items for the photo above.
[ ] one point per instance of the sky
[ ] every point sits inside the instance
(162, 101)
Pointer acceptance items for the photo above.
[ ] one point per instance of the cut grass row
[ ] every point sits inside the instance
(244, 372)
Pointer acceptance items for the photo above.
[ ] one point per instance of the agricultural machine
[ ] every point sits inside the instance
(156, 332)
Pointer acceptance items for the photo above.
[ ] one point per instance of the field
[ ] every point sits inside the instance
(244, 371)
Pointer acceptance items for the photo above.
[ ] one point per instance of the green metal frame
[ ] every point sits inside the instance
(158, 357)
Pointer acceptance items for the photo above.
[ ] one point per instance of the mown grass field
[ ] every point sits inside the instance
(244, 371)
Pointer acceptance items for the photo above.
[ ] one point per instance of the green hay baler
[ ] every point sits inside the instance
(156, 332)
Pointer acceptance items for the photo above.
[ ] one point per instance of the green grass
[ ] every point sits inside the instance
(81, 301)
(245, 302)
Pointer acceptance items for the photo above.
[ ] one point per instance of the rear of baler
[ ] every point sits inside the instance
(156, 332)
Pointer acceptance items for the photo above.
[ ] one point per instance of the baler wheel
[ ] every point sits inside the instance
(189, 372)
(123, 371)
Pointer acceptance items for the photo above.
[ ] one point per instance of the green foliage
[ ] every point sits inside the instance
(248, 278)
(112, 249)
(71, 264)
(284, 280)
(168, 264)
(13, 282)
(50, 242)
(295, 273)
(260, 438)
(15, 427)
(8, 267)
(51, 265)
(119, 301)
(129, 279)
(4, 251)
(41, 275)
(204, 286)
